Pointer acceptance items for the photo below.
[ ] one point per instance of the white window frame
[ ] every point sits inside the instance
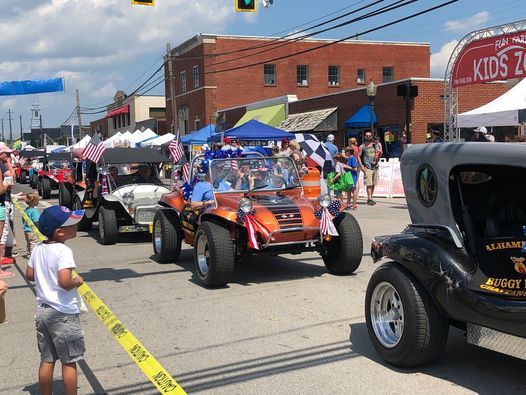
(195, 76)
(271, 81)
(360, 79)
(333, 83)
(387, 78)
(302, 82)
(182, 77)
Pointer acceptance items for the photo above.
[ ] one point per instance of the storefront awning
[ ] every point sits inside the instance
(118, 111)
(268, 115)
(325, 120)
(362, 118)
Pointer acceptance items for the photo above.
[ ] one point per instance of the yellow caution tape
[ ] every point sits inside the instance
(142, 357)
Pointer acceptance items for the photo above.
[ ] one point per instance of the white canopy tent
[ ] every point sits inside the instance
(123, 139)
(137, 138)
(503, 111)
(159, 140)
(81, 144)
(108, 143)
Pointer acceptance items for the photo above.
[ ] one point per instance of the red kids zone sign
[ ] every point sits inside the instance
(491, 59)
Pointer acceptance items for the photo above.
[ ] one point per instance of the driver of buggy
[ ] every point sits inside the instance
(203, 194)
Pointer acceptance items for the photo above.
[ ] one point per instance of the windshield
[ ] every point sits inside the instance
(244, 174)
(58, 165)
(133, 173)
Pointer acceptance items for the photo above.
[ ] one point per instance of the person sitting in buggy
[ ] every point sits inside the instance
(203, 193)
(145, 175)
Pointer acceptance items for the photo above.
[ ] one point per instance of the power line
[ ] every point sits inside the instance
(277, 39)
(131, 94)
(382, 10)
(337, 41)
(149, 87)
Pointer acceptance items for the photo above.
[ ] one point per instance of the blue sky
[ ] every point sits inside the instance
(101, 46)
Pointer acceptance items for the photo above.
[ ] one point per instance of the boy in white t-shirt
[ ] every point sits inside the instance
(59, 334)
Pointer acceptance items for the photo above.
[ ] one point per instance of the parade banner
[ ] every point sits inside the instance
(29, 87)
(491, 59)
(397, 187)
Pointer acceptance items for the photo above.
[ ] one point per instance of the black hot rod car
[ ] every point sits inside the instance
(462, 260)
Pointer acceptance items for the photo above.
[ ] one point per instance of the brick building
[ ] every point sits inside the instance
(427, 110)
(202, 86)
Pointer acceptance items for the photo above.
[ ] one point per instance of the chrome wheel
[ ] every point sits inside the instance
(387, 314)
(157, 236)
(203, 254)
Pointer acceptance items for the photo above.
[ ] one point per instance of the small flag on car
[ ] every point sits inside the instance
(94, 149)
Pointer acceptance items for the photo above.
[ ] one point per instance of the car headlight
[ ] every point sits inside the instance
(245, 205)
(128, 198)
(324, 199)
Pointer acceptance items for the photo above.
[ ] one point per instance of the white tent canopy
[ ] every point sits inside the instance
(109, 142)
(158, 141)
(136, 138)
(81, 144)
(503, 111)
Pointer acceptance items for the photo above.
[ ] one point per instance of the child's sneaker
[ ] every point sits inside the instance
(7, 261)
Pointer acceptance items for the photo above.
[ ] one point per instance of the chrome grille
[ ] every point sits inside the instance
(287, 216)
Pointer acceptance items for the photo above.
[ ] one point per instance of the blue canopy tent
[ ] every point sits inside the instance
(201, 136)
(361, 118)
(255, 131)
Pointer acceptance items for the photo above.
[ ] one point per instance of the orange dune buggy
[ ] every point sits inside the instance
(255, 206)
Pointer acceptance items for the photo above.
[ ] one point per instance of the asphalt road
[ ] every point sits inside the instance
(284, 325)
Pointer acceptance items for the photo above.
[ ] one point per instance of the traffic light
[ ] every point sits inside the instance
(143, 2)
(246, 5)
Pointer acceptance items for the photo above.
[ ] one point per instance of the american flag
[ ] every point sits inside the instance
(177, 153)
(235, 166)
(94, 149)
(326, 225)
(176, 149)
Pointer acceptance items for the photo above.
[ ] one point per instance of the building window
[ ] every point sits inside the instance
(302, 75)
(334, 75)
(269, 74)
(157, 112)
(360, 77)
(387, 74)
(183, 81)
(195, 75)
(183, 119)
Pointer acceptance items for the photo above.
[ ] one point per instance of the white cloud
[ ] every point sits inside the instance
(8, 104)
(440, 59)
(475, 20)
(94, 43)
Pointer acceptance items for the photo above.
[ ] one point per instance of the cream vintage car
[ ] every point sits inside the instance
(122, 192)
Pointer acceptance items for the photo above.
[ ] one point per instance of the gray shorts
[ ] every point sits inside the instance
(59, 336)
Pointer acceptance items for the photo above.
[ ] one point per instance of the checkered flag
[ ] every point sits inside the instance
(94, 149)
(315, 150)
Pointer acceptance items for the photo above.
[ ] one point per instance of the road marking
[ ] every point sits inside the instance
(142, 357)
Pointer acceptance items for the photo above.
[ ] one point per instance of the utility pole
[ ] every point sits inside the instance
(21, 127)
(10, 126)
(78, 115)
(171, 82)
(42, 135)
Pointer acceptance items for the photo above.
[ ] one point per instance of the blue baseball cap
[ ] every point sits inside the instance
(55, 217)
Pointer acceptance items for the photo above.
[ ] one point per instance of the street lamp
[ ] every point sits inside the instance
(371, 92)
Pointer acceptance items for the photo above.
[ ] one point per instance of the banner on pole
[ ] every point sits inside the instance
(29, 87)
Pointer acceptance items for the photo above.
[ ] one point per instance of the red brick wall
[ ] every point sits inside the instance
(239, 87)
